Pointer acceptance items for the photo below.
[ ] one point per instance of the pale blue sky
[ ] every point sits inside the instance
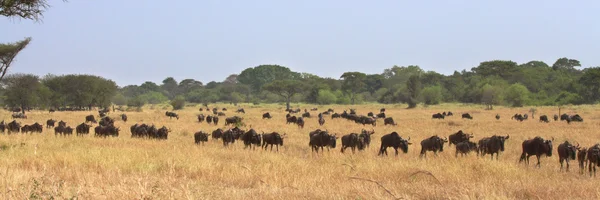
(131, 41)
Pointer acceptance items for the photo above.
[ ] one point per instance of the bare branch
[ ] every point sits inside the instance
(379, 184)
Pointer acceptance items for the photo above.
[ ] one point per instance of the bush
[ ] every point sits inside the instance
(326, 97)
(178, 103)
(517, 95)
(136, 102)
(432, 95)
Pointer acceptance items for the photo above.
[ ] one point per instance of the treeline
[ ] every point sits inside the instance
(497, 82)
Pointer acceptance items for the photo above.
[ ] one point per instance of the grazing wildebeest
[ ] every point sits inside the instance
(330, 110)
(306, 115)
(201, 118)
(90, 118)
(437, 116)
(467, 116)
(381, 115)
(215, 120)
(266, 115)
(233, 120)
(370, 114)
(13, 126)
(465, 147)
(51, 110)
(321, 121)
(395, 141)
(224, 109)
(171, 115)
(216, 134)
(273, 138)
(106, 130)
(241, 110)
(220, 114)
(369, 120)
(300, 122)
(449, 114)
(497, 117)
(518, 117)
(82, 129)
(209, 119)
(200, 137)
(544, 118)
(250, 138)
(321, 139)
(124, 117)
(566, 151)
(555, 117)
(105, 121)
(433, 143)
(593, 158)
(492, 145)
(389, 121)
(537, 146)
(290, 119)
(335, 115)
(62, 123)
(367, 136)
(564, 117)
(351, 140)
(49, 123)
(574, 118)
(582, 159)
(458, 137)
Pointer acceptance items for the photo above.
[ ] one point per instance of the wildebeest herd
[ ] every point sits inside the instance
(321, 139)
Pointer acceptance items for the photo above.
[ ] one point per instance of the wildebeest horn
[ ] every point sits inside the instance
(408, 138)
(552, 138)
(507, 136)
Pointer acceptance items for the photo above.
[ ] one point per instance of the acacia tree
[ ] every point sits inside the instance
(353, 83)
(8, 52)
(24, 91)
(285, 89)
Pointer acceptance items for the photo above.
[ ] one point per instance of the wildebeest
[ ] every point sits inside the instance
(124, 117)
(306, 115)
(90, 118)
(2, 126)
(352, 140)
(51, 110)
(227, 137)
(220, 114)
(171, 115)
(370, 114)
(251, 138)
(518, 117)
(593, 158)
(382, 110)
(106, 130)
(201, 118)
(381, 115)
(564, 117)
(233, 120)
(433, 143)
(437, 116)
(321, 121)
(19, 115)
(574, 118)
(582, 159)
(458, 137)
(163, 133)
(367, 136)
(368, 120)
(273, 138)
(321, 139)
(13, 126)
(224, 109)
(105, 121)
(50, 123)
(290, 119)
(467, 116)
(389, 121)
(266, 115)
(300, 122)
(200, 137)
(544, 118)
(492, 145)
(465, 147)
(241, 110)
(497, 117)
(82, 128)
(216, 134)
(566, 152)
(537, 146)
(62, 123)
(209, 119)
(555, 117)
(449, 114)
(215, 120)
(335, 115)
(395, 141)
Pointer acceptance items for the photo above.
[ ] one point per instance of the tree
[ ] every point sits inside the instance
(187, 85)
(353, 83)
(119, 99)
(170, 87)
(326, 97)
(285, 89)
(9, 51)
(414, 89)
(591, 81)
(491, 96)
(24, 91)
(26, 9)
(374, 82)
(178, 103)
(502, 68)
(231, 79)
(517, 95)
(258, 76)
(565, 63)
(432, 95)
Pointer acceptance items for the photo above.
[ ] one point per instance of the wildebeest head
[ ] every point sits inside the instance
(547, 146)
(404, 144)
(500, 140)
(367, 136)
(332, 140)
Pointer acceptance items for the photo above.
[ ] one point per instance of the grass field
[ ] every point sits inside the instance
(45, 166)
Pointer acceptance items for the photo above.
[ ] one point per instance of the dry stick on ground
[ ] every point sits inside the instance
(425, 172)
(379, 184)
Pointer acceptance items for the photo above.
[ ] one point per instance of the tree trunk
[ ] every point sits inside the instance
(23, 109)
(287, 102)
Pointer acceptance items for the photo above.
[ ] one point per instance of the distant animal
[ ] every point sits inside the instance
(582, 159)
(437, 116)
(518, 117)
(227, 137)
(449, 114)
(352, 140)
(124, 117)
(381, 115)
(232, 120)
(593, 158)
(82, 129)
(497, 117)
(273, 138)
(321, 121)
(321, 139)
(389, 121)
(241, 110)
(465, 147)
(367, 136)
(382, 110)
(395, 141)
(306, 115)
(574, 118)
(200, 137)
(300, 122)
(90, 118)
(266, 115)
(201, 118)
(19, 115)
(171, 115)
(544, 118)
(290, 119)
(209, 119)
(220, 114)
(370, 114)
(555, 117)
(537, 146)
(492, 145)
(433, 143)
(335, 115)
(564, 117)
(215, 120)
(13, 126)
(566, 152)
(49, 123)
(467, 116)
(51, 110)
(459, 137)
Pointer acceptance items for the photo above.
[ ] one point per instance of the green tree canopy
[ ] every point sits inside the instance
(285, 89)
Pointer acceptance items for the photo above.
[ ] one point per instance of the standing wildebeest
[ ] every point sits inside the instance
(233, 120)
(370, 114)
(2, 126)
(465, 147)
(458, 137)
(171, 115)
(574, 118)
(321, 139)
(395, 141)
(518, 117)
(368, 120)
(593, 158)
(382, 110)
(267, 115)
(19, 115)
(241, 110)
(50, 123)
(437, 116)
(491, 145)
(467, 116)
(321, 121)
(201, 118)
(537, 146)
(497, 117)
(290, 119)
(82, 128)
(544, 118)
(306, 115)
(300, 122)
(555, 117)
(582, 159)
(566, 152)
(352, 140)
(250, 138)
(124, 117)
(381, 115)
(90, 118)
(200, 137)
(220, 114)
(13, 126)
(367, 136)
(433, 143)
(62, 123)
(389, 121)
(228, 137)
(215, 120)
(216, 134)
(449, 114)
(272, 139)
(335, 115)
(209, 119)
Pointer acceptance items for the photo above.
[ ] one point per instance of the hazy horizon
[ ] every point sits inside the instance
(209, 40)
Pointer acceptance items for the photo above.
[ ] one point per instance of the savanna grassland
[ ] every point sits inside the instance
(45, 166)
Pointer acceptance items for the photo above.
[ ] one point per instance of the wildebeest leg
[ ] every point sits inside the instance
(561, 164)
(538, 159)
(277, 146)
(395, 149)
(456, 154)
(567, 164)
(343, 148)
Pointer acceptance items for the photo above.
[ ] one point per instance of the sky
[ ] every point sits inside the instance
(134, 41)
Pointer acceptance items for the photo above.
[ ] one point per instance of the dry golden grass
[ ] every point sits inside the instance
(44, 166)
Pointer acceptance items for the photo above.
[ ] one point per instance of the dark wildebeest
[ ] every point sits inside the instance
(321, 121)
(273, 138)
(209, 119)
(233, 120)
(62, 123)
(370, 114)
(90, 118)
(555, 117)
(352, 140)
(300, 122)
(51, 110)
(335, 115)
(544, 118)
(201, 118)
(491, 145)
(13, 126)
(330, 110)
(574, 118)
(395, 141)
(200, 137)
(267, 115)
(228, 137)
(216, 134)
(306, 115)
(250, 138)
(50, 123)
(369, 120)
(449, 114)
(382, 110)
(163, 133)
(82, 128)
(582, 159)
(467, 116)
(458, 137)
(224, 109)
(465, 147)
(433, 143)
(497, 117)
(367, 136)
(19, 115)
(220, 114)
(321, 139)
(290, 119)
(566, 151)
(215, 120)
(124, 117)
(105, 121)
(537, 146)
(389, 121)
(171, 115)
(437, 116)
(381, 115)
(564, 117)
(241, 110)
(518, 117)
(2, 126)
(593, 158)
